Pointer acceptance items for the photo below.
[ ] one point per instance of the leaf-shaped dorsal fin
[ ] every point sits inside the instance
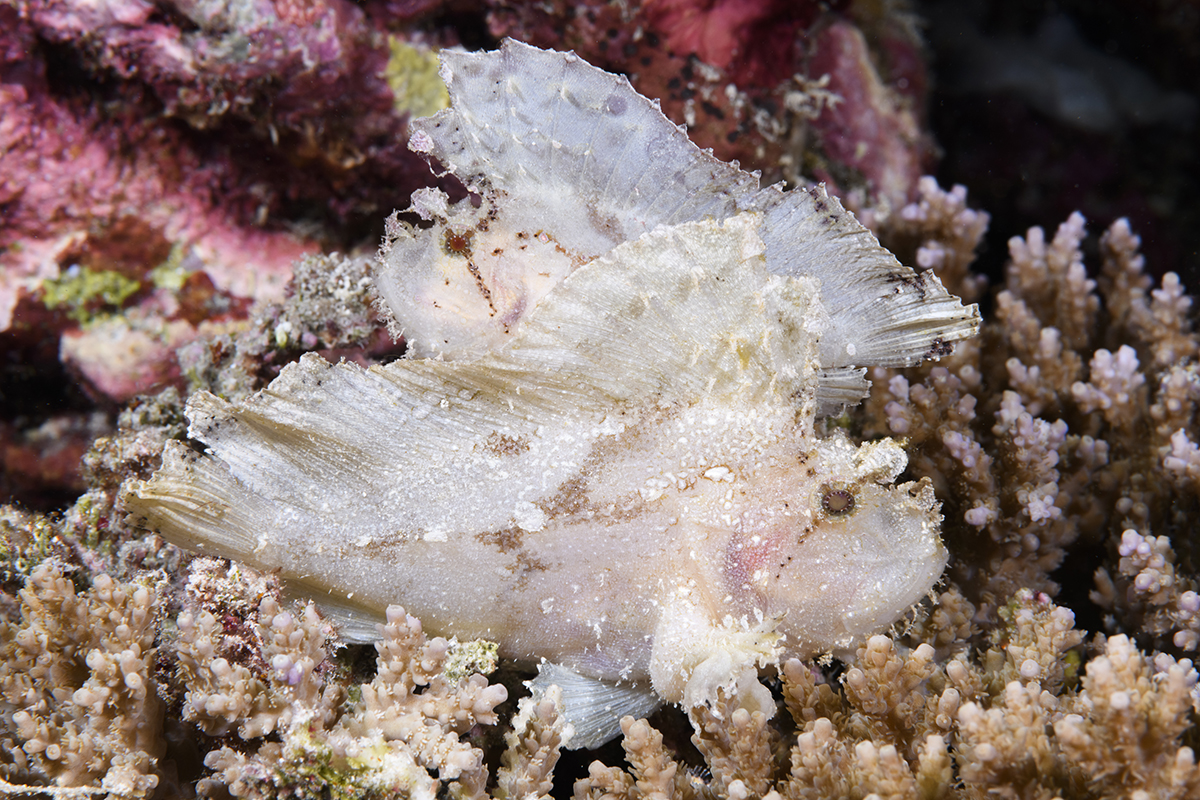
(882, 313)
(569, 161)
(573, 144)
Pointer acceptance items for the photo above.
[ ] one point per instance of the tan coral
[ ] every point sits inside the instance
(404, 728)
(1134, 710)
(1052, 280)
(942, 232)
(885, 687)
(1022, 432)
(738, 746)
(1006, 748)
(534, 745)
(78, 670)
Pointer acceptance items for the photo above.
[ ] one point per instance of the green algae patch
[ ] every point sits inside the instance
(26, 540)
(83, 292)
(469, 658)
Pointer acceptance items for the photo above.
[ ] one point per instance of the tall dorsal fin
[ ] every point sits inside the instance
(569, 161)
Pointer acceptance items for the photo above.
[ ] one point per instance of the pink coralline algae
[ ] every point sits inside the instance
(116, 193)
(161, 171)
(301, 82)
(276, 63)
(754, 38)
(872, 132)
(73, 183)
(128, 230)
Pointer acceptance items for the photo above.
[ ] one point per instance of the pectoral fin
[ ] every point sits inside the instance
(594, 707)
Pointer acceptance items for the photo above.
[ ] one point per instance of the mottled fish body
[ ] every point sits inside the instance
(622, 470)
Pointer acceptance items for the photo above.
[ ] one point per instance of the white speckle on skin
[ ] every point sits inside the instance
(719, 474)
(529, 517)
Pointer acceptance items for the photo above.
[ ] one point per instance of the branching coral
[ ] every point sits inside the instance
(1149, 589)
(78, 671)
(1125, 724)
(534, 745)
(1038, 434)
(79, 674)
(1004, 725)
(406, 722)
(289, 694)
(939, 231)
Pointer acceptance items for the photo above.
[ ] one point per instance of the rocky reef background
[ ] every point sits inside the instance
(190, 195)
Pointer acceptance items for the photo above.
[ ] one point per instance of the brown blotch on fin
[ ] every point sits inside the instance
(504, 445)
(570, 499)
(506, 539)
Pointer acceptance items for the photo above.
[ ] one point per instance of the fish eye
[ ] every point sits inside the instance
(837, 502)
(458, 243)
